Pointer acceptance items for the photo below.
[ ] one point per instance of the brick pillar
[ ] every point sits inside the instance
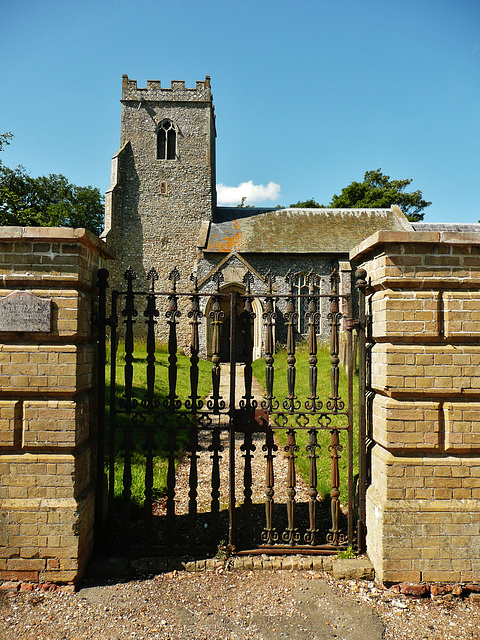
(423, 503)
(47, 403)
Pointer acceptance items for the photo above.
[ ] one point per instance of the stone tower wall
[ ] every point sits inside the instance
(144, 227)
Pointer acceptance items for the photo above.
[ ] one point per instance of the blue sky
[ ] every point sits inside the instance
(308, 94)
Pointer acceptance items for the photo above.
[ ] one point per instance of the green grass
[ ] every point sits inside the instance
(183, 391)
(324, 436)
(160, 462)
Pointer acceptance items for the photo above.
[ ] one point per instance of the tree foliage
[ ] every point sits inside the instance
(378, 191)
(46, 201)
(307, 204)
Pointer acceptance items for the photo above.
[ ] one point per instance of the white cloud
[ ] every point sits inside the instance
(251, 192)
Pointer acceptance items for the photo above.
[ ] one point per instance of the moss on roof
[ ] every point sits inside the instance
(299, 230)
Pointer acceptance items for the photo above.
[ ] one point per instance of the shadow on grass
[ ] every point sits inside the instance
(205, 537)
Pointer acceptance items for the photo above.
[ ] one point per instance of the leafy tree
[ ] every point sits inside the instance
(46, 201)
(308, 204)
(5, 140)
(378, 191)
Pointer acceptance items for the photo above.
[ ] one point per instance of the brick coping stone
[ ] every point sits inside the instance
(59, 234)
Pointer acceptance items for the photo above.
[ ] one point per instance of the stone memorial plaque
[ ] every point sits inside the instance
(23, 311)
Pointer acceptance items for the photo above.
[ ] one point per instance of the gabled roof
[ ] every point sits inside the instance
(221, 265)
(297, 230)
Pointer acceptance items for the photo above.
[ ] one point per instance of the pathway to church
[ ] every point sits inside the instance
(258, 461)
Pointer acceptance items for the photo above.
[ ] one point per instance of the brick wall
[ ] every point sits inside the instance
(423, 503)
(47, 406)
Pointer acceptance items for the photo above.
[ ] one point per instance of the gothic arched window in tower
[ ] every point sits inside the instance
(166, 141)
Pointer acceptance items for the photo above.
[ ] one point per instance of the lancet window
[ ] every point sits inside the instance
(166, 141)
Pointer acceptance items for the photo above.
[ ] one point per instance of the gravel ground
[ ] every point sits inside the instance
(233, 605)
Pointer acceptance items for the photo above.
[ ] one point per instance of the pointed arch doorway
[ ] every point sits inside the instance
(239, 325)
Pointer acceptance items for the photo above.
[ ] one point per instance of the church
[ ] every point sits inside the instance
(161, 212)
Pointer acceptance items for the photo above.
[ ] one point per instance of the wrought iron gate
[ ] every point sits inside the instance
(140, 422)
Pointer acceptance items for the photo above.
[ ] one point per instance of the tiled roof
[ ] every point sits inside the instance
(297, 230)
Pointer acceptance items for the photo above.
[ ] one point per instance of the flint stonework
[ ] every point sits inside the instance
(23, 311)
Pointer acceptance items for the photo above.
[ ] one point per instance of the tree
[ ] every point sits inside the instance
(378, 191)
(46, 201)
(307, 204)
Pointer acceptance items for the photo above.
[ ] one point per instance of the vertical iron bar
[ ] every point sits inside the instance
(195, 314)
(100, 506)
(149, 448)
(334, 317)
(129, 313)
(361, 285)
(247, 321)
(335, 449)
(291, 317)
(335, 404)
(232, 516)
(291, 535)
(217, 315)
(312, 316)
(215, 449)
(349, 364)
(113, 412)
(193, 483)
(172, 314)
(171, 477)
(127, 446)
(150, 313)
(269, 316)
(248, 447)
(269, 534)
(310, 536)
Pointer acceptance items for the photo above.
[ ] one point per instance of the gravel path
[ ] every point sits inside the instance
(234, 605)
(258, 461)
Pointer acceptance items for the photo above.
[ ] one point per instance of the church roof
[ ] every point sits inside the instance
(296, 230)
(457, 227)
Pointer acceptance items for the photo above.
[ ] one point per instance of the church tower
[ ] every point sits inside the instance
(163, 178)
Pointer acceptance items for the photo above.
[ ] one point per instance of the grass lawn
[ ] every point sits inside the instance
(160, 462)
(323, 436)
(204, 386)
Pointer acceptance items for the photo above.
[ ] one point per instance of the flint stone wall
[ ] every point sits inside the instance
(145, 227)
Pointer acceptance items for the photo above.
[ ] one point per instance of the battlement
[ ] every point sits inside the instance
(177, 91)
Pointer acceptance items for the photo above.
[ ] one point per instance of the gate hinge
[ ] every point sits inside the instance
(351, 323)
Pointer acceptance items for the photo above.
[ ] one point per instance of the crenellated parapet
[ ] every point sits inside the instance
(177, 92)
